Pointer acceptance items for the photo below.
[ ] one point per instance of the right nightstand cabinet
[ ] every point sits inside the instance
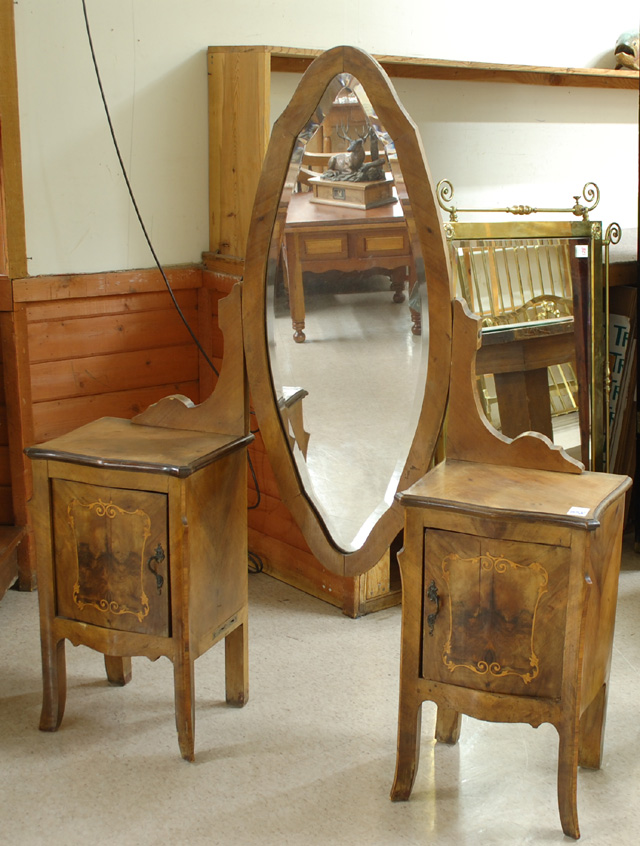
(510, 579)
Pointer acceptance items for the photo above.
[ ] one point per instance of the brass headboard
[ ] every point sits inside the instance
(541, 290)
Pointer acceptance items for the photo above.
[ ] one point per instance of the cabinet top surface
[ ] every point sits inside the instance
(120, 444)
(485, 489)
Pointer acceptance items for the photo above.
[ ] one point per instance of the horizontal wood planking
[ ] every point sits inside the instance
(112, 349)
(299, 569)
(6, 301)
(35, 289)
(52, 310)
(264, 473)
(101, 374)
(5, 469)
(6, 505)
(57, 417)
(104, 334)
(273, 517)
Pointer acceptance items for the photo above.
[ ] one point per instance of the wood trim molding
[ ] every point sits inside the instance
(79, 285)
(294, 59)
(10, 145)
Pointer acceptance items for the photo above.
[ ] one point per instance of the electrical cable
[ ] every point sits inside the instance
(132, 196)
(258, 568)
(257, 486)
(256, 564)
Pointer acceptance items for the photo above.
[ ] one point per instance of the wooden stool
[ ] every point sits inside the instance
(141, 541)
(509, 579)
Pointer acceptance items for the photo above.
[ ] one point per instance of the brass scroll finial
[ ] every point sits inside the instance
(590, 193)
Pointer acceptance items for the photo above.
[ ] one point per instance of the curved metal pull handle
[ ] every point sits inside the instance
(432, 595)
(158, 557)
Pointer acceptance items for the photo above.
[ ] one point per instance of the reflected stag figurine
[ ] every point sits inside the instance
(350, 166)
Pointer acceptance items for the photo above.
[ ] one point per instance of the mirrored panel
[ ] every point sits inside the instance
(538, 288)
(347, 313)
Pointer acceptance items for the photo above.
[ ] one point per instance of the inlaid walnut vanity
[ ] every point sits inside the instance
(510, 578)
(511, 550)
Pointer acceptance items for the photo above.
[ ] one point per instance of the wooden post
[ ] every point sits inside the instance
(239, 94)
(10, 157)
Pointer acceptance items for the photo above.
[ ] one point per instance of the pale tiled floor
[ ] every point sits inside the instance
(360, 366)
(310, 758)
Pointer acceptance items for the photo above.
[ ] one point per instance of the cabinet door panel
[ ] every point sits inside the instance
(111, 556)
(500, 613)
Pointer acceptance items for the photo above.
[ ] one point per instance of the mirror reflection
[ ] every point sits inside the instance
(346, 298)
(535, 367)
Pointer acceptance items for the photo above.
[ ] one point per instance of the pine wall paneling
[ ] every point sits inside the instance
(96, 345)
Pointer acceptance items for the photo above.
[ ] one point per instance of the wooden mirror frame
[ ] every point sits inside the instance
(434, 261)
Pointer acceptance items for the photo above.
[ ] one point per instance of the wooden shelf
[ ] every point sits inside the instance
(296, 60)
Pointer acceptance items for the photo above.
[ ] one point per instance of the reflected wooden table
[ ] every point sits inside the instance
(518, 357)
(321, 238)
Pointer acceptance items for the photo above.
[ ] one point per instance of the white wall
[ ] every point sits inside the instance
(498, 144)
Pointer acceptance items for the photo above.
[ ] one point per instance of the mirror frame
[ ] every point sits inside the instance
(589, 323)
(433, 263)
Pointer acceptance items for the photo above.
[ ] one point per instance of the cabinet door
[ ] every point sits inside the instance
(494, 613)
(111, 556)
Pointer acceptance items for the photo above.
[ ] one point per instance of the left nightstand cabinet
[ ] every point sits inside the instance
(142, 550)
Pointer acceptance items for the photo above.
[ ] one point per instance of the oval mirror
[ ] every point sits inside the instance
(346, 309)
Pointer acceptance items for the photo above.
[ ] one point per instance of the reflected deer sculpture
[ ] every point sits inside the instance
(353, 159)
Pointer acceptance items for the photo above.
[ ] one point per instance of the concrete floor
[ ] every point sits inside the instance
(310, 758)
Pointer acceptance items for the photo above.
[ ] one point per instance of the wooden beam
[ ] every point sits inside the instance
(293, 59)
(10, 156)
(238, 137)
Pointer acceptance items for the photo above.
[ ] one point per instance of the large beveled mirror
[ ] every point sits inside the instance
(347, 309)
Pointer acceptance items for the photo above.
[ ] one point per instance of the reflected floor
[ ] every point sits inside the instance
(566, 433)
(360, 366)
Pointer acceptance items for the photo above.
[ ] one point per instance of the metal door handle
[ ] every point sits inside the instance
(432, 595)
(158, 556)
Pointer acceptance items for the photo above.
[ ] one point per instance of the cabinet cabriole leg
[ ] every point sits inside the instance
(118, 669)
(54, 683)
(408, 754)
(592, 731)
(185, 704)
(237, 666)
(568, 779)
(448, 724)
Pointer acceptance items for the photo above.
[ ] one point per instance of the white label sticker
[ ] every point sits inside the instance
(582, 251)
(576, 511)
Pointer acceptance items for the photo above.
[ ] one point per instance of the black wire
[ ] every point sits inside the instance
(148, 239)
(256, 564)
(133, 199)
(257, 486)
